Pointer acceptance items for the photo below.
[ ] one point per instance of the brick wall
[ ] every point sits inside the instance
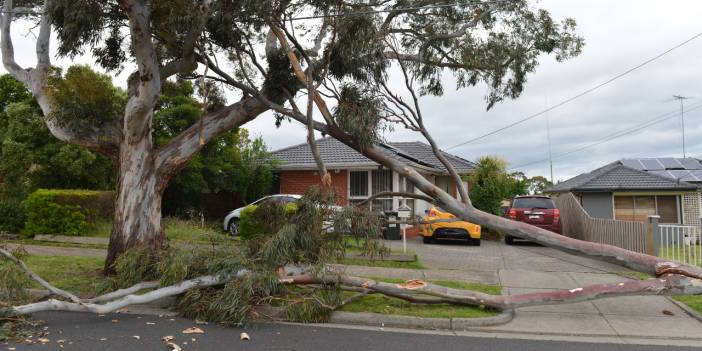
(297, 182)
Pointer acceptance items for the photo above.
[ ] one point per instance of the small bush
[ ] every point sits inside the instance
(11, 216)
(64, 211)
(267, 218)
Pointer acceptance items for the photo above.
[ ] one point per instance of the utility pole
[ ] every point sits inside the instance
(682, 119)
(548, 136)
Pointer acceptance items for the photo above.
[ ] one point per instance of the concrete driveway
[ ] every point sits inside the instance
(528, 268)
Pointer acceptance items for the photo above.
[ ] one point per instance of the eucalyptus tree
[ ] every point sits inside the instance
(338, 53)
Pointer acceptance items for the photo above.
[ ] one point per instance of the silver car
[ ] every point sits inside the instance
(231, 221)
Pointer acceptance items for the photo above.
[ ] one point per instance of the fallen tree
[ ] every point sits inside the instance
(415, 291)
(340, 58)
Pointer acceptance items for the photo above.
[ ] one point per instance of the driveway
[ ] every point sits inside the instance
(528, 268)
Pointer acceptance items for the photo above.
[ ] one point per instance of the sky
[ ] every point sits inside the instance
(618, 36)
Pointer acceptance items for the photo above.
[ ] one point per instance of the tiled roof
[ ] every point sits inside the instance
(619, 177)
(338, 155)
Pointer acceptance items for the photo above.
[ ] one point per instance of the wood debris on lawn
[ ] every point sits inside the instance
(193, 330)
(174, 346)
(244, 336)
(412, 284)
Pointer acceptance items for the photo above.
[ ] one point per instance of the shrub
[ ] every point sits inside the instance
(267, 218)
(51, 211)
(11, 216)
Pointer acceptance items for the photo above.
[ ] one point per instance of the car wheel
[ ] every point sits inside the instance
(427, 239)
(234, 227)
(509, 240)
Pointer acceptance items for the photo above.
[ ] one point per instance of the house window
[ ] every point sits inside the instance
(668, 209)
(639, 208)
(359, 184)
(362, 184)
(381, 181)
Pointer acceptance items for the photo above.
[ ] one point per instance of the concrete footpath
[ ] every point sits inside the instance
(529, 268)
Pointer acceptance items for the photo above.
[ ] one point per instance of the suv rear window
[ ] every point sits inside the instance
(533, 202)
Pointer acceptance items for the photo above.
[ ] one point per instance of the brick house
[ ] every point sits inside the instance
(633, 189)
(355, 177)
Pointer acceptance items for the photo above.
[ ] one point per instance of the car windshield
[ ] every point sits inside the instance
(533, 202)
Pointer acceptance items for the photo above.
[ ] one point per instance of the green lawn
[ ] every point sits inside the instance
(692, 258)
(379, 263)
(692, 301)
(78, 275)
(57, 244)
(377, 303)
(352, 246)
(176, 229)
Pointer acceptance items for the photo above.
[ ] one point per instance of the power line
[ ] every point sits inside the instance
(568, 100)
(682, 119)
(615, 135)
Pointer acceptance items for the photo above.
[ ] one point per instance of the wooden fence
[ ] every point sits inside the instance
(577, 223)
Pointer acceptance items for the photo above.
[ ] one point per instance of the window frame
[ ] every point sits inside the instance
(656, 207)
(369, 192)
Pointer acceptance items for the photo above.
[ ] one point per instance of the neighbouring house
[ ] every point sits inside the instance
(355, 177)
(633, 189)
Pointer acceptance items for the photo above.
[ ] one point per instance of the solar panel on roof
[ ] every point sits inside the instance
(669, 162)
(652, 165)
(664, 173)
(691, 163)
(692, 176)
(635, 164)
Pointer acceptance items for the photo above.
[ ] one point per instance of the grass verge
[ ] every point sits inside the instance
(692, 301)
(382, 304)
(57, 244)
(379, 263)
(80, 275)
(175, 229)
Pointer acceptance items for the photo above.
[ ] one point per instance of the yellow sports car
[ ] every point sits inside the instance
(432, 228)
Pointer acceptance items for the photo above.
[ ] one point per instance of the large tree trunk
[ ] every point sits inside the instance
(137, 216)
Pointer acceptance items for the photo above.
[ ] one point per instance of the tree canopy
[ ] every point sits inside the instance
(491, 184)
(31, 158)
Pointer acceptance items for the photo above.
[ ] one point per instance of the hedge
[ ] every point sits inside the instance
(256, 220)
(11, 216)
(58, 211)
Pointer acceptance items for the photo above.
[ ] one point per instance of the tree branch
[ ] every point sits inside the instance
(419, 120)
(36, 80)
(146, 85)
(124, 292)
(396, 193)
(54, 290)
(633, 260)
(422, 292)
(8, 51)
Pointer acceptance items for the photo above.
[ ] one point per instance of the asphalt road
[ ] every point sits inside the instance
(90, 332)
